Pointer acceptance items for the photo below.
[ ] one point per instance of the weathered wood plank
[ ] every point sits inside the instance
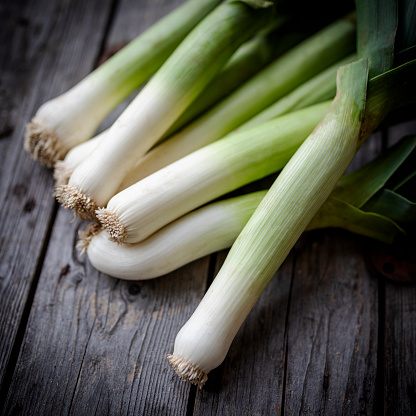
(332, 329)
(44, 52)
(95, 344)
(400, 349)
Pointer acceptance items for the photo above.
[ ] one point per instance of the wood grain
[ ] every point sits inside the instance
(46, 52)
(332, 329)
(400, 349)
(98, 345)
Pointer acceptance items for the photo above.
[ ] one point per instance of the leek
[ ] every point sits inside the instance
(171, 90)
(197, 234)
(74, 116)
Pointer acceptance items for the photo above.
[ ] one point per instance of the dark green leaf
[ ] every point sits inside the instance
(359, 186)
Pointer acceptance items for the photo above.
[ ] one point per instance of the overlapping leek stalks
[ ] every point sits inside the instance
(246, 61)
(319, 88)
(220, 167)
(358, 203)
(74, 116)
(188, 70)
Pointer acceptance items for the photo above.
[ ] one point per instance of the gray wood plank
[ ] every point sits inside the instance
(400, 349)
(98, 345)
(332, 329)
(46, 48)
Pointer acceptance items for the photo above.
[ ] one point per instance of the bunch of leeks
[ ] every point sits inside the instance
(294, 199)
(196, 132)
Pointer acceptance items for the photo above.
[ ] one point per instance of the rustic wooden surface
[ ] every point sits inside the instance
(330, 335)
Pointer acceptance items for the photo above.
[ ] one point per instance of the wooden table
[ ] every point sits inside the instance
(330, 335)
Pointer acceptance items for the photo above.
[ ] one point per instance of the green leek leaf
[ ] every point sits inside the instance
(376, 32)
(359, 186)
(337, 213)
(394, 206)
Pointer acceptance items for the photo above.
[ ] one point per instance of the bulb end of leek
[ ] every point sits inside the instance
(111, 222)
(87, 235)
(61, 173)
(187, 371)
(43, 144)
(71, 197)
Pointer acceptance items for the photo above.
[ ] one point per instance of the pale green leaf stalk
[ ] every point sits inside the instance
(249, 59)
(283, 214)
(74, 116)
(319, 88)
(220, 167)
(184, 75)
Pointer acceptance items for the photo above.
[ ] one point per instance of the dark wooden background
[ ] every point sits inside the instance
(331, 335)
